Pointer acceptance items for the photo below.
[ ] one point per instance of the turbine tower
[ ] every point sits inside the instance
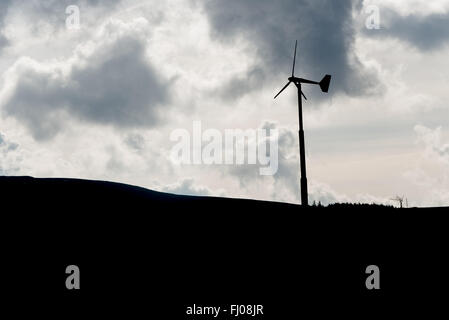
(324, 85)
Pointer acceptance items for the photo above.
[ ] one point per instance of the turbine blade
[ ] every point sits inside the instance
(303, 95)
(282, 89)
(294, 59)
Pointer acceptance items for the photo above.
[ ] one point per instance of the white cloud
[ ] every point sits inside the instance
(188, 187)
(10, 159)
(430, 174)
(435, 149)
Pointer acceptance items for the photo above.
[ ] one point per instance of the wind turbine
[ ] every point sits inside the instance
(324, 85)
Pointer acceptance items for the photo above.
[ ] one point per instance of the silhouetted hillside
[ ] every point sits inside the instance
(135, 245)
(55, 194)
(88, 194)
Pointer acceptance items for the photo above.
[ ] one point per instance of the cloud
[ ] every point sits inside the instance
(51, 12)
(7, 146)
(287, 178)
(284, 185)
(430, 174)
(285, 181)
(107, 81)
(135, 141)
(248, 173)
(324, 194)
(425, 32)
(54, 13)
(3, 12)
(9, 156)
(243, 83)
(324, 29)
(434, 147)
(187, 187)
(76, 92)
(407, 7)
(3, 41)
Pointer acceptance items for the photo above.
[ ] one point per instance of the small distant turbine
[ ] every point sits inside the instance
(324, 85)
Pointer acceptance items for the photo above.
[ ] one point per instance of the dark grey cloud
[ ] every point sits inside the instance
(243, 83)
(3, 41)
(113, 86)
(4, 5)
(324, 29)
(426, 33)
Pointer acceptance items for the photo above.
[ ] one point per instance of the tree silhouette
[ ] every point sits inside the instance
(399, 200)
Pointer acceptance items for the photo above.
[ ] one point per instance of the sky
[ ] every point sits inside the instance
(99, 99)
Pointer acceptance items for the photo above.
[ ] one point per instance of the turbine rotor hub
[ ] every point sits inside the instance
(294, 80)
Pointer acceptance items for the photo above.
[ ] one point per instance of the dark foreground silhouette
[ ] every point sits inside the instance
(139, 249)
(69, 195)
